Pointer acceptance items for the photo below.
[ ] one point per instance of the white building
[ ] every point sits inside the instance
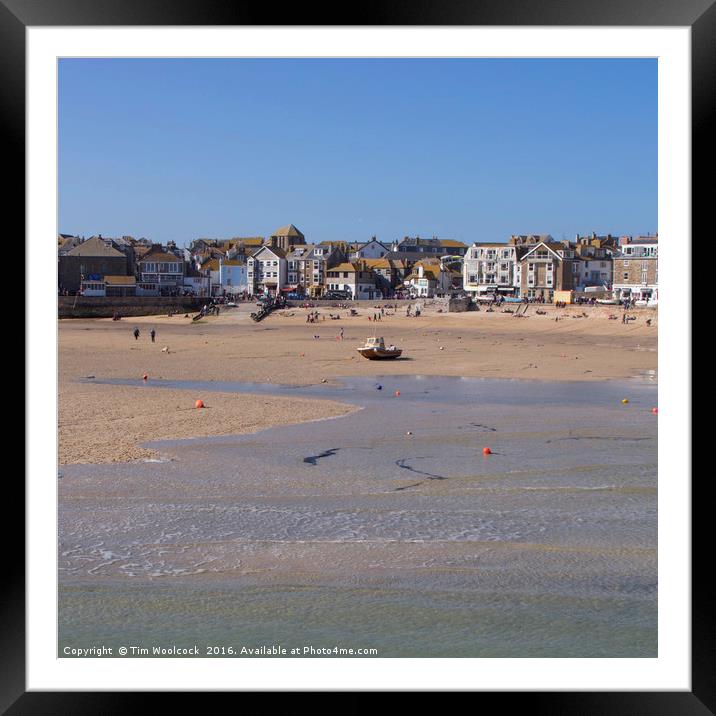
(266, 271)
(430, 278)
(492, 268)
(372, 249)
(355, 278)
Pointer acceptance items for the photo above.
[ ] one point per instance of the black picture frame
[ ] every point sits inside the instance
(699, 15)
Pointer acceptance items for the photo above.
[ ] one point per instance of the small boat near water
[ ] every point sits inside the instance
(374, 349)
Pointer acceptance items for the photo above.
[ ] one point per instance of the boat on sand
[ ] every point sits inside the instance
(374, 349)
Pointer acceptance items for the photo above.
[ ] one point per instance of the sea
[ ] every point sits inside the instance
(387, 532)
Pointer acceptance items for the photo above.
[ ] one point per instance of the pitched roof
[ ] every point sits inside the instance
(344, 267)
(377, 263)
(159, 255)
(273, 249)
(452, 242)
(95, 247)
(289, 230)
(554, 248)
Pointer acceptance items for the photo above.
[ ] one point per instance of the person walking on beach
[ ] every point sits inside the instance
(152, 334)
(341, 333)
(136, 334)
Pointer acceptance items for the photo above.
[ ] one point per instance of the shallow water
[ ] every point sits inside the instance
(351, 533)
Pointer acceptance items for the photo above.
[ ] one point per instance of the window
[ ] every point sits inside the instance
(626, 275)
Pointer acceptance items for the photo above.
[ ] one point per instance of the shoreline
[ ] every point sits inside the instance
(102, 422)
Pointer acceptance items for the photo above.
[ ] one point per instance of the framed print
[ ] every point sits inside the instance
(350, 352)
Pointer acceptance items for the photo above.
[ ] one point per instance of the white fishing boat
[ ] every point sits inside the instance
(374, 349)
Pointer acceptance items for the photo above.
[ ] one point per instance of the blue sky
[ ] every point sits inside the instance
(468, 149)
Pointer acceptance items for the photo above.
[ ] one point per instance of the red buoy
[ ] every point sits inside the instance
(486, 451)
(397, 393)
(199, 404)
(655, 410)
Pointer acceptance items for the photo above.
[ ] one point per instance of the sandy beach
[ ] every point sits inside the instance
(108, 423)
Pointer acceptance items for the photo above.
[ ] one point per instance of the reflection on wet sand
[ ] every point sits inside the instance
(418, 545)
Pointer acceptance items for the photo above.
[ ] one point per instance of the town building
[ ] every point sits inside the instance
(307, 265)
(233, 276)
(430, 278)
(266, 271)
(160, 272)
(90, 260)
(422, 248)
(491, 269)
(546, 267)
(636, 269)
(372, 249)
(67, 242)
(386, 275)
(286, 237)
(354, 277)
(109, 286)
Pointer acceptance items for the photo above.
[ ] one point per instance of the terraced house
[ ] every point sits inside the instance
(307, 265)
(266, 271)
(425, 248)
(356, 278)
(546, 268)
(636, 269)
(160, 273)
(492, 269)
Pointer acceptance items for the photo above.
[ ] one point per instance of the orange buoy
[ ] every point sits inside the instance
(397, 393)
(655, 410)
(486, 451)
(199, 404)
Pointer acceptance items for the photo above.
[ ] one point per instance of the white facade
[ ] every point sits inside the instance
(437, 280)
(197, 284)
(592, 273)
(266, 271)
(491, 268)
(372, 249)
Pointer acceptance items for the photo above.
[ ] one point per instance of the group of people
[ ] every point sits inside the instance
(378, 316)
(136, 334)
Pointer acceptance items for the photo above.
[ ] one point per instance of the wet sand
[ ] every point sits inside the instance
(387, 528)
(104, 423)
